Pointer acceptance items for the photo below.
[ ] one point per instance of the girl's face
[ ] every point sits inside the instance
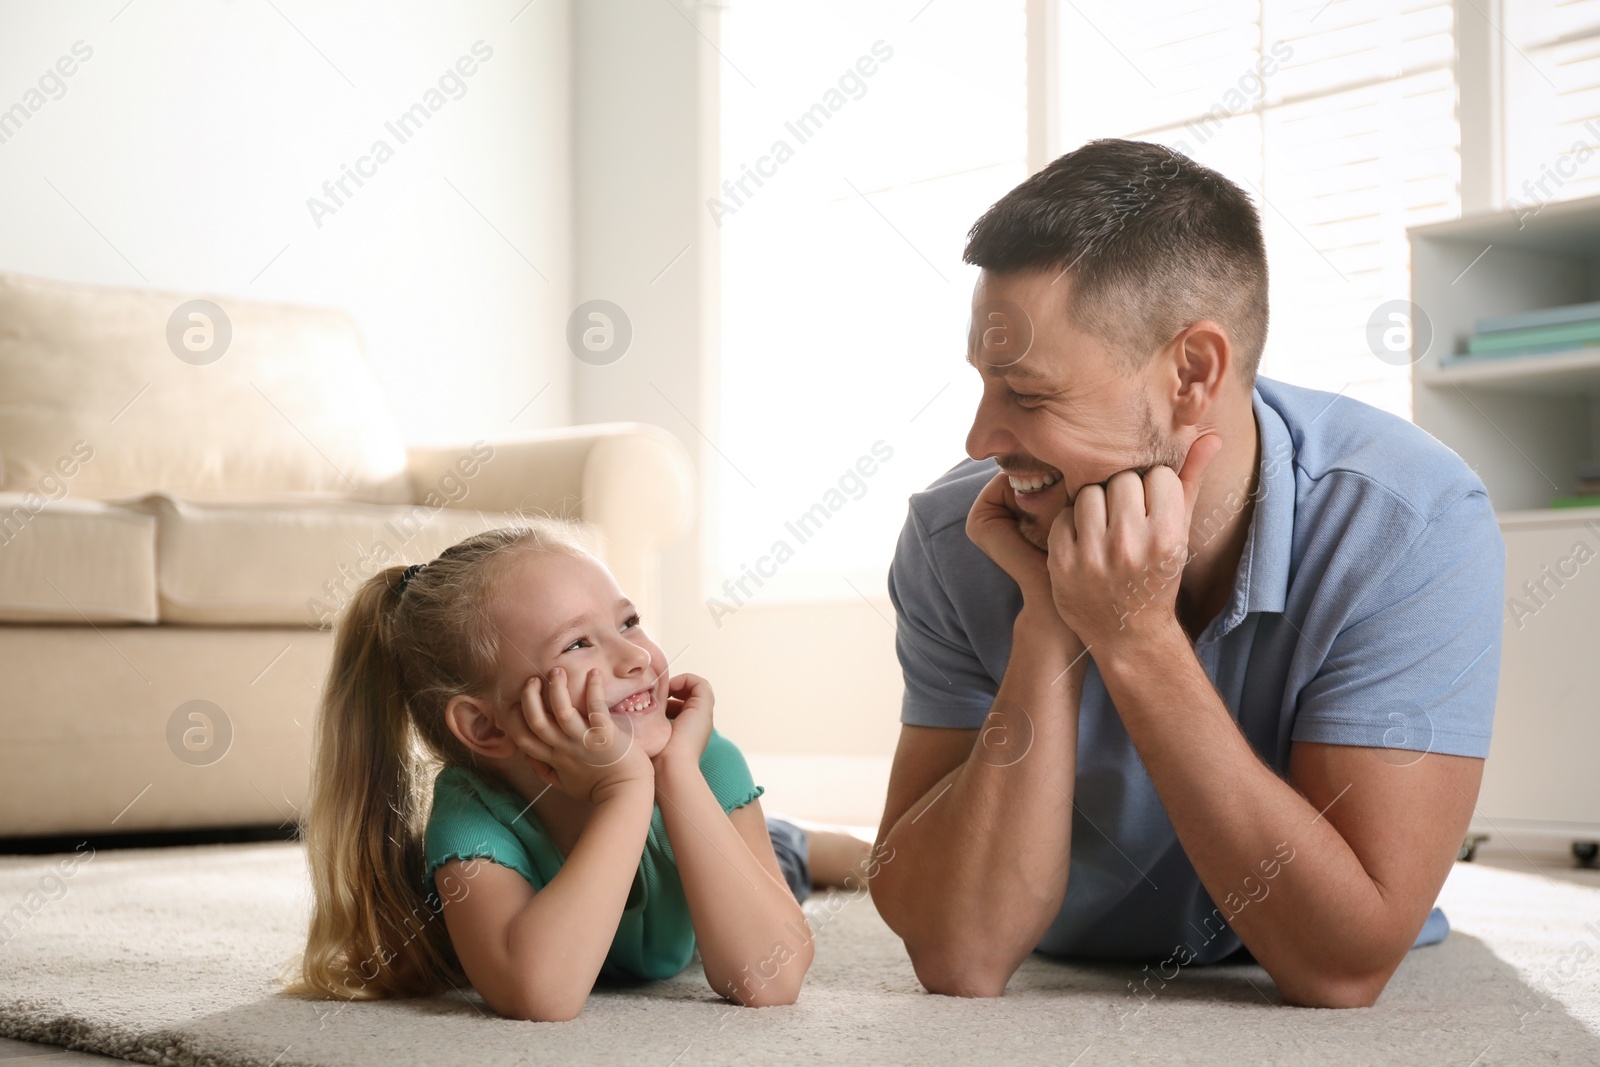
(558, 610)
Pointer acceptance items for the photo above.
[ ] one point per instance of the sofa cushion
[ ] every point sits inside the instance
(75, 561)
(259, 402)
(288, 564)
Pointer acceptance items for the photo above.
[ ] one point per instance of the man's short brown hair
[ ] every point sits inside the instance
(1151, 240)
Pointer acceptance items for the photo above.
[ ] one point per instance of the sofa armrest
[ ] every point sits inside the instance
(631, 483)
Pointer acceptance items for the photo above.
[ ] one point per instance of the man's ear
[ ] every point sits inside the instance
(474, 725)
(1203, 361)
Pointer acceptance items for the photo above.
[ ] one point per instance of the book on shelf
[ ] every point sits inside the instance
(1585, 489)
(1536, 337)
(1539, 317)
(1571, 328)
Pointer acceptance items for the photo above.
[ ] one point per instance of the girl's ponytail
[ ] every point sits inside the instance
(373, 932)
(404, 650)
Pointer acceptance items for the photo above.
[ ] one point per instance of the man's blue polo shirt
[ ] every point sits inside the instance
(1366, 611)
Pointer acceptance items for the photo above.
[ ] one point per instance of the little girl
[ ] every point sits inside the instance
(586, 818)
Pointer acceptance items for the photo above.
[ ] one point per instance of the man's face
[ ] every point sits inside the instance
(1056, 412)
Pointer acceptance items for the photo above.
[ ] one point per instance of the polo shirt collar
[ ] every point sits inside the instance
(1262, 583)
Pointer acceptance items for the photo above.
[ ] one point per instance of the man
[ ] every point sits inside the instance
(1192, 660)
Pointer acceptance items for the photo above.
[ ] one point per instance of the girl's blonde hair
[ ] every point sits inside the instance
(403, 650)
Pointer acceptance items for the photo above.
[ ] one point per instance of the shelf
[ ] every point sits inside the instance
(1559, 227)
(1552, 374)
(1534, 518)
(1525, 424)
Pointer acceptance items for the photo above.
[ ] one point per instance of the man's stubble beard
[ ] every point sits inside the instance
(1157, 452)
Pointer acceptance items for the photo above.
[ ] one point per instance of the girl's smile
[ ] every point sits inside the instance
(641, 703)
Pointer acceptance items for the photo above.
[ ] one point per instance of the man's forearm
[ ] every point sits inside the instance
(1317, 921)
(980, 862)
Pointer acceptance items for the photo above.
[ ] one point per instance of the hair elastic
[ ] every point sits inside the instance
(408, 574)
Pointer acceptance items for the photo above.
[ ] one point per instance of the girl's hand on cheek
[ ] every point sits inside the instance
(586, 757)
(689, 701)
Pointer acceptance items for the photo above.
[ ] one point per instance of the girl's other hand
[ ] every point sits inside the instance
(689, 701)
(587, 756)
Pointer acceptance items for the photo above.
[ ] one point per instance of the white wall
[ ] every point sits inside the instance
(795, 678)
(183, 151)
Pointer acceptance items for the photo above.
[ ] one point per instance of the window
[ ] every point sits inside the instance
(1339, 119)
(860, 141)
(1551, 65)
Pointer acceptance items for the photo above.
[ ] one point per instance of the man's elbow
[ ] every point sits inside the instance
(959, 971)
(1334, 991)
(767, 997)
(954, 962)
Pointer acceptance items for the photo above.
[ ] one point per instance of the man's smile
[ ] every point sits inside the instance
(1039, 494)
(1032, 483)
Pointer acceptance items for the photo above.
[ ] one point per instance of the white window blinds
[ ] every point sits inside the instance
(1551, 71)
(1338, 117)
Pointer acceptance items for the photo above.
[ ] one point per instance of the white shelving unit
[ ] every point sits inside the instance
(1524, 424)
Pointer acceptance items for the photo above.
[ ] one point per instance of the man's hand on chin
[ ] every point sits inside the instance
(1117, 552)
(993, 525)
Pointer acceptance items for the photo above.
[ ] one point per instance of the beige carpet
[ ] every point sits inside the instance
(167, 956)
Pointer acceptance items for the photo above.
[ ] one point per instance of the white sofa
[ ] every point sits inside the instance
(181, 518)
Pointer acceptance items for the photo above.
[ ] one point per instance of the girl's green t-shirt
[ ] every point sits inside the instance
(475, 817)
